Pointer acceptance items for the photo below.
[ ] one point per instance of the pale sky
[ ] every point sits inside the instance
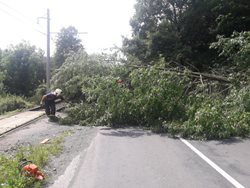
(105, 21)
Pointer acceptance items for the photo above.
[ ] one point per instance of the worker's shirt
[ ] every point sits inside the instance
(52, 97)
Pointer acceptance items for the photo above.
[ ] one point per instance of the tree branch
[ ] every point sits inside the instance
(192, 74)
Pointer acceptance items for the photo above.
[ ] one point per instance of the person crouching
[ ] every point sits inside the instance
(49, 101)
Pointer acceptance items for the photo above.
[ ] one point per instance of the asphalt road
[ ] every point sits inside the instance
(134, 158)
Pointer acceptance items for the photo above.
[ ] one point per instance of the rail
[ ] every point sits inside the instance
(59, 106)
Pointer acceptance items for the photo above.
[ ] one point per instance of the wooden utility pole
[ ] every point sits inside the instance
(48, 64)
(48, 52)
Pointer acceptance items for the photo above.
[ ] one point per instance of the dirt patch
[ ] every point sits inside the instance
(78, 139)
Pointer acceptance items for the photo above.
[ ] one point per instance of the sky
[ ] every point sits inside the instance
(104, 21)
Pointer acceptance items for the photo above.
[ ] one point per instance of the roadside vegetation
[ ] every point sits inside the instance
(156, 97)
(10, 172)
(10, 103)
(21, 72)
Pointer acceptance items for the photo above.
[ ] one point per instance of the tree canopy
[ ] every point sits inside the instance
(67, 42)
(182, 30)
(24, 69)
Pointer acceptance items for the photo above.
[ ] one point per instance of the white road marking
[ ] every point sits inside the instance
(212, 164)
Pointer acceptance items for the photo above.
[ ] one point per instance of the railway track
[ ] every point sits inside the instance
(59, 106)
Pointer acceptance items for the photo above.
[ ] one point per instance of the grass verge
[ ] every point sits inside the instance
(11, 103)
(10, 174)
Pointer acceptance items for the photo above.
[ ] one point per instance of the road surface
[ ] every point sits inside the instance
(135, 158)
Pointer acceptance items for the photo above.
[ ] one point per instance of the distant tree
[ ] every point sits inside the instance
(24, 69)
(74, 74)
(156, 29)
(136, 47)
(2, 74)
(67, 42)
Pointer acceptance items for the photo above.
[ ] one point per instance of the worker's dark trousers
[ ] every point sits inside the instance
(50, 108)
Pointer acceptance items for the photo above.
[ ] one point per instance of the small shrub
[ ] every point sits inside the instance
(12, 103)
(39, 92)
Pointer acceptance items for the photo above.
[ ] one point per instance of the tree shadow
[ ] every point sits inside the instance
(228, 141)
(131, 132)
(231, 141)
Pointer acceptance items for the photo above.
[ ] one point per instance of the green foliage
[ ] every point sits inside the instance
(67, 42)
(156, 30)
(2, 78)
(23, 68)
(40, 154)
(155, 95)
(12, 103)
(160, 97)
(207, 122)
(215, 118)
(75, 71)
(182, 30)
(39, 92)
(235, 48)
(137, 48)
(10, 173)
(232, 15)
(238, 110)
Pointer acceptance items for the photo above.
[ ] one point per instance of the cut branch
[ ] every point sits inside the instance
(192, 74)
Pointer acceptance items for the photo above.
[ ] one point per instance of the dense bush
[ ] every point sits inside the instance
(22, 69)
(39, 92)
(207, 121)
(11, 103)
(216, 118)
(235, 48)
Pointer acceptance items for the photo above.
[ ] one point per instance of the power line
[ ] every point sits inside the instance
(18, 18)
(17, 11)
(4, 11)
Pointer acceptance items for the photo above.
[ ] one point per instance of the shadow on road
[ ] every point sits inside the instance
(232, 141)
(126, 132)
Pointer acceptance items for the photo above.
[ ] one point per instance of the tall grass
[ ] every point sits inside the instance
(11, 103)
